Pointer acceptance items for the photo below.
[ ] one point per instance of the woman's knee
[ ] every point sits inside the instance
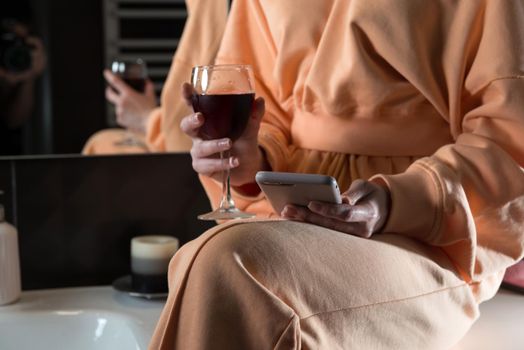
(237, 242)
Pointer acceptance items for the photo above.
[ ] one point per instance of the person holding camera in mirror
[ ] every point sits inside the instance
(22, 61)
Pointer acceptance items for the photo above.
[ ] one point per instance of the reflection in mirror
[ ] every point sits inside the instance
(53, 93)
(149, 33)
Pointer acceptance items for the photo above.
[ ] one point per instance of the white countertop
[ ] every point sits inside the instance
(500, 327)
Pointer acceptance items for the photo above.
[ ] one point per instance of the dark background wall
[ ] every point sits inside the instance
(74, 105)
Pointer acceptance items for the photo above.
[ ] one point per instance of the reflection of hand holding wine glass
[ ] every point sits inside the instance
(224, 94)
(134, 74)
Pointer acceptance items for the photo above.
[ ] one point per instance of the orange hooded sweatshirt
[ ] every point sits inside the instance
(427, 97)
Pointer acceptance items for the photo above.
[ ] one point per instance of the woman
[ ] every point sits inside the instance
(416, 108)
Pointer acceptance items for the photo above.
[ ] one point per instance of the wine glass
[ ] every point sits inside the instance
(224, 94)
(134, 74)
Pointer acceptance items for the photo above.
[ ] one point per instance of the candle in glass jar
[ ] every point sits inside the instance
(150, 256)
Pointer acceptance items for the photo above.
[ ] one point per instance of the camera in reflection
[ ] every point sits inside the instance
(15, 53)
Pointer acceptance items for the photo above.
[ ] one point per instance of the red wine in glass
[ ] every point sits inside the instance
(224, 94)
(138, 84)
(133, 73)
(226, 115)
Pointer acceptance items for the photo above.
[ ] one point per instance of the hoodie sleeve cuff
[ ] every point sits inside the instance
(415, 202)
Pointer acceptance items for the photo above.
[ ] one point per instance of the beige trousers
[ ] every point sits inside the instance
(289, 285)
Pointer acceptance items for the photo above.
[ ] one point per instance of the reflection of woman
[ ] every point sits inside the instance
(159, 126)
(420, 100)
(17, 87)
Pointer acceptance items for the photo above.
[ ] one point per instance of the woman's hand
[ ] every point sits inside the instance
(246, 157)
(363, 212)
(132, 107)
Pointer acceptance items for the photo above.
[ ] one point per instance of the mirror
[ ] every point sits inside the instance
(81, 38)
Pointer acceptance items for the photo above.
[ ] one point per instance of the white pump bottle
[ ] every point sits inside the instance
(10, 285)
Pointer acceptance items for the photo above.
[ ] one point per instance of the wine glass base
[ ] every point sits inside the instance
(225, 214)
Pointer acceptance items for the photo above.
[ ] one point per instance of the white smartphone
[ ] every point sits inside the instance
(298, 189)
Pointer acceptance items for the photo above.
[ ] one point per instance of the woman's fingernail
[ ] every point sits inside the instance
(224, 144)
(289, 211)
(233, 162)
(197, 117)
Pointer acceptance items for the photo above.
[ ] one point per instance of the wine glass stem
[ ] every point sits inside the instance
(227, 202)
